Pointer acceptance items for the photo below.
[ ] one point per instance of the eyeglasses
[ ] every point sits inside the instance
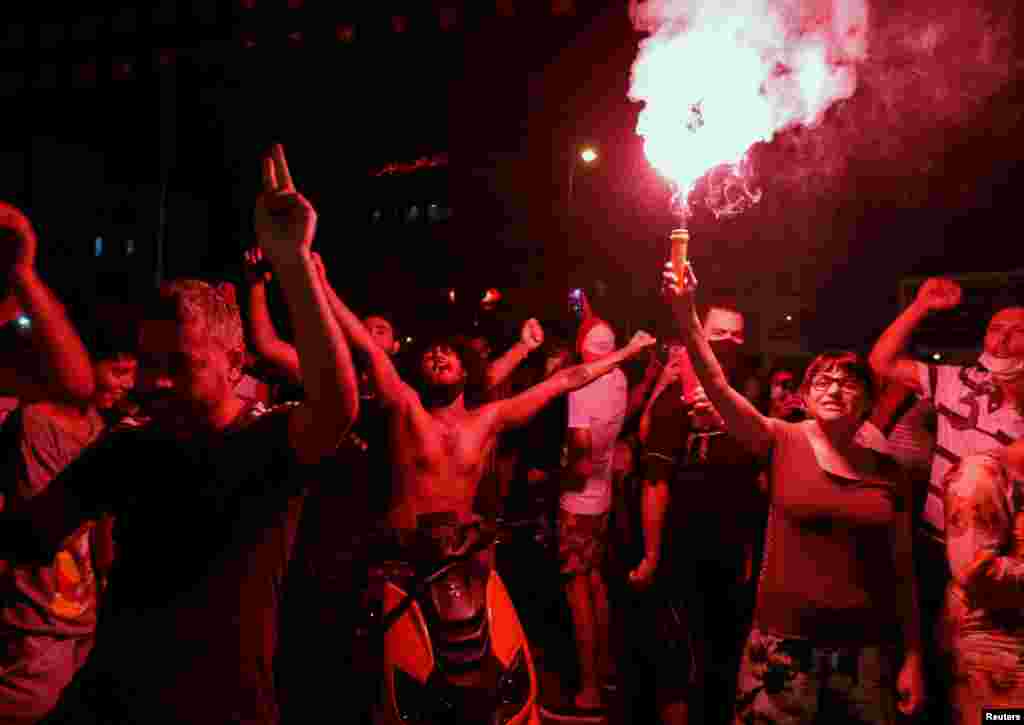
(824, 383)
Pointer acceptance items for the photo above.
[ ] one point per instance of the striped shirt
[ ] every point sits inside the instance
(973, 417)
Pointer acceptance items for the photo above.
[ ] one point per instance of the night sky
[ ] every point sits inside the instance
(918, 173)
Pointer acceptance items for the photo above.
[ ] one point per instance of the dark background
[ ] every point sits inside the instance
(147, 122)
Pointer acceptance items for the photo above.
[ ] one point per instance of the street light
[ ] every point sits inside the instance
(588, 155)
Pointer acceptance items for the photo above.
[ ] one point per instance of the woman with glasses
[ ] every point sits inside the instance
(836, 603)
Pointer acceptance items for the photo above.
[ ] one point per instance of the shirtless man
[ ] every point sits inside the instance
(440, 447)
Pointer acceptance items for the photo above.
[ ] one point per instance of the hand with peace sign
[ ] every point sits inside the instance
(285, 221)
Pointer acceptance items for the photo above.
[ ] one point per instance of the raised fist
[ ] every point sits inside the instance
(939, 294)
(532, 334)
(285, 222)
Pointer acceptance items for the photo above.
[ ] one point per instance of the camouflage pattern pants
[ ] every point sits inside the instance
(786, 681)
(988, 671)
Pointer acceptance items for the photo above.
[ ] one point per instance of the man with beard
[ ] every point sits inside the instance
(440, 445)
(440, 442)
(205, 496)
(705, 555)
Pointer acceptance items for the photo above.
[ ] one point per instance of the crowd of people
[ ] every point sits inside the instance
(191, 511)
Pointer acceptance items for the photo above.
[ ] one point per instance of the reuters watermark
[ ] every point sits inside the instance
(1002, 714)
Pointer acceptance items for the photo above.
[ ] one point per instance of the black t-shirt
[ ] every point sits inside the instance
(204, 532)
(716, 507)
(670, 424)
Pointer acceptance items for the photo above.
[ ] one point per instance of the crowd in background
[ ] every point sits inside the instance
(192, 504)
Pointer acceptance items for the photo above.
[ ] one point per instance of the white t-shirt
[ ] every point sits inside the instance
(972, 418)
(601, 408)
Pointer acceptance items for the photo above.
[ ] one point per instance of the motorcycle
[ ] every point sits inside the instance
(453, 648)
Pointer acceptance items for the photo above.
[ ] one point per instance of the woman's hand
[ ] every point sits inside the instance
(678, 291)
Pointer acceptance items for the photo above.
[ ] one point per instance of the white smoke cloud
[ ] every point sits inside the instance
(717, 77)
(826, 80)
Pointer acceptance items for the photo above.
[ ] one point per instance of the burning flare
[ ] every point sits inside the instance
(718, 76)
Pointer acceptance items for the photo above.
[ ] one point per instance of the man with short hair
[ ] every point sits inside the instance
(205, 495)
(705, 556)
(440, 443)
(597, 413)
(978, 407)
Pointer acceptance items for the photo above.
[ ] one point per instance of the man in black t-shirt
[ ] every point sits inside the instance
(695, 548)
(205, 496)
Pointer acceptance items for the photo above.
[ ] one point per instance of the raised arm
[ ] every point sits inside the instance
(530, 338)
(388, 384)
(643, 431)
(638, 393)
(518, 410)
(889, 358)
(265, 340)
(665, 375)
(741, 418)
(285, 225)
(65, 362)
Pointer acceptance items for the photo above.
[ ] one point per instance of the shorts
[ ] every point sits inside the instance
(582, 540)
